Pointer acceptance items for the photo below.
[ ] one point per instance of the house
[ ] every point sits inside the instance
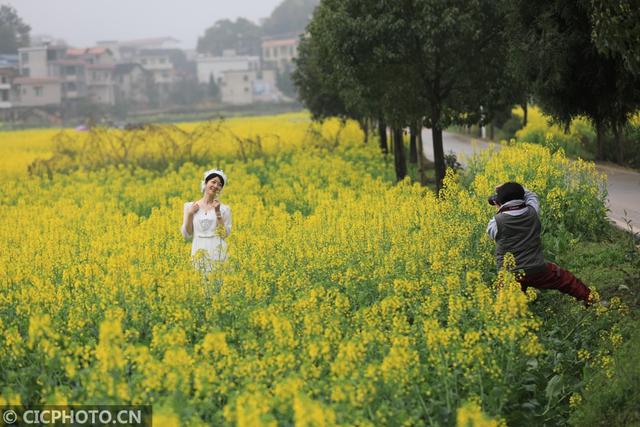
(7, 74)
(159, 64)
(214, 66)
(8, 71)
(97, 83)
(37, 91)
(249, 86)
(126, 51)
(33, 61)
(100, 84)
(279, 52)
(91, 55)
(132, 82)
(73, 74)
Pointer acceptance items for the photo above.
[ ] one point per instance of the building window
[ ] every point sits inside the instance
(38, 90)
(94, 75)
(165, 74)
(4, 79)
(143, 61)
(246, 89)
(290, 50)
(24, 57)
(25, 72)
(162, 60)
(245, 78)
(5, 95)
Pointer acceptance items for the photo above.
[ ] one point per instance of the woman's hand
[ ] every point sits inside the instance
(216, 206)
(195, 207)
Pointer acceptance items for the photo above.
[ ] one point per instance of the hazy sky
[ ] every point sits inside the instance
(83, 22)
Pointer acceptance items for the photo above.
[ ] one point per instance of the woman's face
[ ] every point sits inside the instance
(213, 186)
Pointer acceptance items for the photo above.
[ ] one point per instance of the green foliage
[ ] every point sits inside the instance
(577, 140)
(213, 90)
(613, 397)
(243, 36)
(570, 76)
(290, 16)
(284, 82)
(616, 30)
(14, 33)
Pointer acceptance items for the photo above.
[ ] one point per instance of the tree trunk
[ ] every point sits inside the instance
(492, 131)
(438, 156)
(525, 113)
(364, 125)
(420, 153)
(399, 156)
(599, 140)
(413, 148)
(382, 130)
(619, 144)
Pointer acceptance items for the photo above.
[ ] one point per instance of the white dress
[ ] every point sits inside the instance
(205, 234)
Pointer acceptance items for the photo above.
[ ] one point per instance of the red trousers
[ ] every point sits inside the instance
(555, 277)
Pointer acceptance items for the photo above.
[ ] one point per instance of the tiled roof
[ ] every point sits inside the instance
(75, 51)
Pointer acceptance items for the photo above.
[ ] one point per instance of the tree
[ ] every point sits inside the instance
(285, 83)
(570, 76)
(213, 88)
(290, 16)
(243, 36)
(316, 81)
(14, 33)
(430, 61)
(319, 84)
(615, 30)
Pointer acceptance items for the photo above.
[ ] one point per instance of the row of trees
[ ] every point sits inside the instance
(410, 63)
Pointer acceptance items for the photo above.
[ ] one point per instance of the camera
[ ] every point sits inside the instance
(493, 199)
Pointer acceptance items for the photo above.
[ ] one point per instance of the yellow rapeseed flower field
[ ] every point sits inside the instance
(346, 300)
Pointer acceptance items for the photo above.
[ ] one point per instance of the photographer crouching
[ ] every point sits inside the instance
(516, 229)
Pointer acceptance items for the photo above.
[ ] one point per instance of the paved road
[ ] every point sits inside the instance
(623, 184)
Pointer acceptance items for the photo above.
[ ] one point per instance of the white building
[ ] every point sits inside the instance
(279, 53)
(131, 83)
(37, 91)
(216, 66)
(33, 61)
(126, 51)
(6, 75)
(250, 86)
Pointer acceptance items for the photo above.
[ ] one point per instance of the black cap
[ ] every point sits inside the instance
(509, 191)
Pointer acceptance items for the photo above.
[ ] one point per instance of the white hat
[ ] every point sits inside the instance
(210, 172)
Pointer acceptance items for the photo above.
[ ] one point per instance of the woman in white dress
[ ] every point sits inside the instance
(208, 222)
